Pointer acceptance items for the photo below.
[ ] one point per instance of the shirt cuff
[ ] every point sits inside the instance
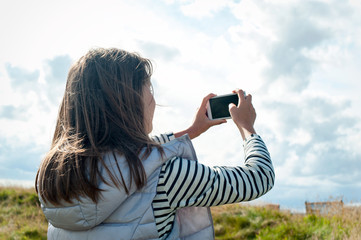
(250, 138)
(164, 138)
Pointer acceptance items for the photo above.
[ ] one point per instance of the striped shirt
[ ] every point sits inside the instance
(184, 183)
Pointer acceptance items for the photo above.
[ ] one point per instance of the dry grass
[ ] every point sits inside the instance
(351, 216)
(20, 214)
(22, 218)
(239, 221)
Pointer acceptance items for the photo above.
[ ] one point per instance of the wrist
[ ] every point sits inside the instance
(246, 131)
(192, 133)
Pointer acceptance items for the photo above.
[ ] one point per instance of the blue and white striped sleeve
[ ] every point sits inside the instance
(163, 138)
(189, 183)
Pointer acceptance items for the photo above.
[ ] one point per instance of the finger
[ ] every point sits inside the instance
(206, 99)
(241, 96)
(249, 98)
(231, 106)
(218, 121)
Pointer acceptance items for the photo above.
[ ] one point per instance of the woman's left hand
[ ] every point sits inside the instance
(201, 122)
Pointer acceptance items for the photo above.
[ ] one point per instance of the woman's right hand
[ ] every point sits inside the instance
(243, 115)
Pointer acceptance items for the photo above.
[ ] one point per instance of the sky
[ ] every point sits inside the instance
(299, 60)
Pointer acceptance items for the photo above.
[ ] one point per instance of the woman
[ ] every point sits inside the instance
(104, 178)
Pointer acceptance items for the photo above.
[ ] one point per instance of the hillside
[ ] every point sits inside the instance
(21, 218)
(250, 222)
(20, 215)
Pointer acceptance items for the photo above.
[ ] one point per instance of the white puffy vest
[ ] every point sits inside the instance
(121, 216)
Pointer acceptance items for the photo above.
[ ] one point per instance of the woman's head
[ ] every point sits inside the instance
(104, 96)
(107, 106)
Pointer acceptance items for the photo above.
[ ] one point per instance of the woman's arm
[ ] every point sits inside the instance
(201, 122)
(243, 115)
(185, 183)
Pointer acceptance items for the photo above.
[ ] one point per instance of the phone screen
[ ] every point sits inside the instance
(219, 105)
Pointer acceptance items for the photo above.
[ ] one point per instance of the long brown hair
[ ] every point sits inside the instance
(102, 110)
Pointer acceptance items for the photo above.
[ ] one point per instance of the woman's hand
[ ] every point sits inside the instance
(243, 115)
(201, 122)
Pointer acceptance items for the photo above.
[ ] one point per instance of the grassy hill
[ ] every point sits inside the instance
(251, 222)
(20, 215)
(21, 218)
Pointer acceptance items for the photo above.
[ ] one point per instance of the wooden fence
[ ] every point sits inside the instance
(324, 208)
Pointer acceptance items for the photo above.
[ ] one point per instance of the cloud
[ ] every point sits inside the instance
(288, 62)
(203, 8)
(310, 143)
(11, 112)
(37, 87)
(26, 124)
(27, 119)
(20, 77)
(7, 112)
(58, 68)
(285, 32)
(158, 51)
(56, 71)
(19, 162)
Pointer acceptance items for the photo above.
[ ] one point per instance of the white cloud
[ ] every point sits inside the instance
(22, 183)
(158, 51)
(299, 136)
(28, 114)
(203, 8)
(21, 77)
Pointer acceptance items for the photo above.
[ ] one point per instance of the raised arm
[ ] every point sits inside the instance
(201, 122)
(188, 183)
(184, 182)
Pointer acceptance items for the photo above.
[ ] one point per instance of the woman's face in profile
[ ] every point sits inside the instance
(149, 106)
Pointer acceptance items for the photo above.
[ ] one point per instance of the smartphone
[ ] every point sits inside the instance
(217, 107)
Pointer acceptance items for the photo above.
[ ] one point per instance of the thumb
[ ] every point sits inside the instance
(218, 122)
(231, 106)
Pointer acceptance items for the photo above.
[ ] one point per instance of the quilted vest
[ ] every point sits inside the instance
(121, 216)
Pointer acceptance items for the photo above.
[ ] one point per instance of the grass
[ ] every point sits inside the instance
(20, 215)
(22, 218)
(238, 221)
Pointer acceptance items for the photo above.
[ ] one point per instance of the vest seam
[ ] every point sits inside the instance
(82, 213)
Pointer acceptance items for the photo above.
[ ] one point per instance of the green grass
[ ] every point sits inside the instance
(22, 218)
(250, 222)
(20, 215)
